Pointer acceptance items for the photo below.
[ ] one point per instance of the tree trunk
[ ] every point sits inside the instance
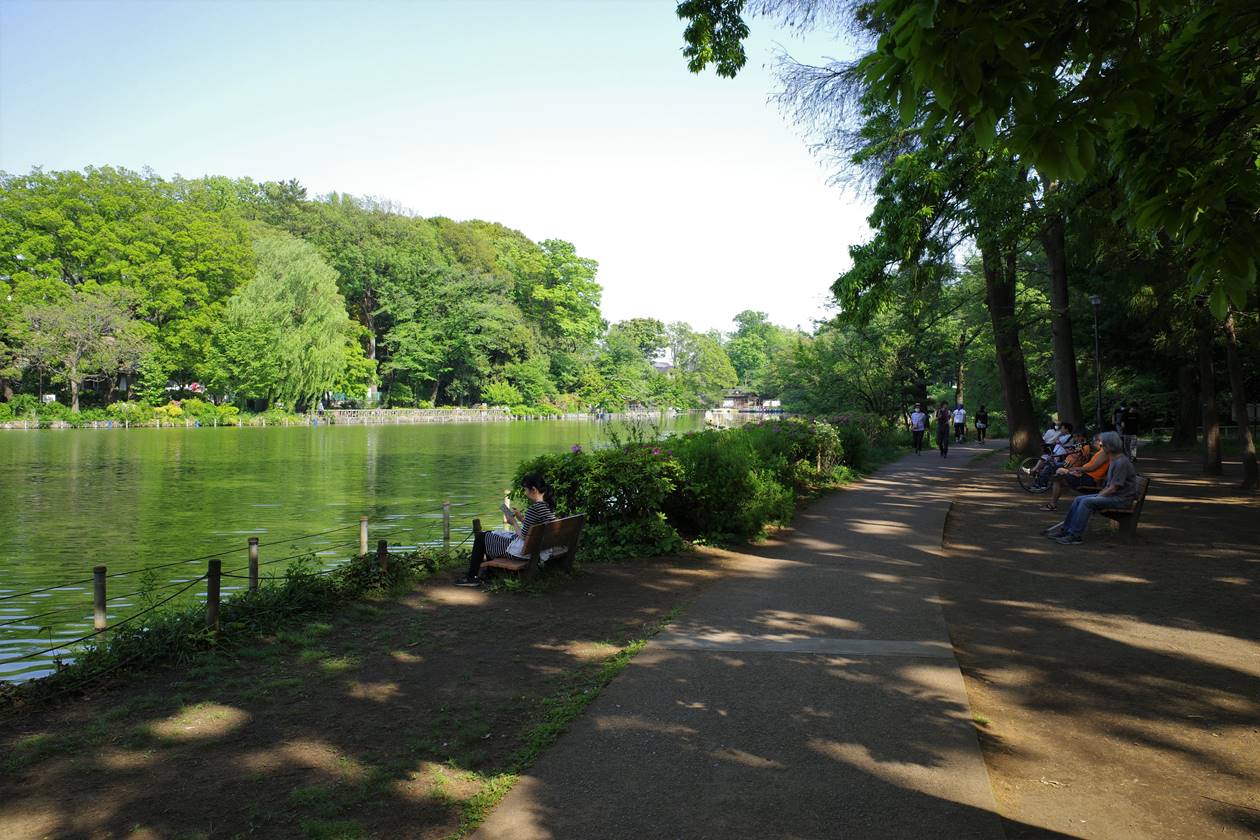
(1238, 388)
(6, 389)
(1207, 398)
(1067, 391)
(999, 283)
(1185, 432)
(73, 381)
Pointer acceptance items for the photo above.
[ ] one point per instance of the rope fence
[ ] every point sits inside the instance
(436, 534)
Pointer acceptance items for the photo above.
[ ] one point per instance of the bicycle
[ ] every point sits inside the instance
(1029, 475)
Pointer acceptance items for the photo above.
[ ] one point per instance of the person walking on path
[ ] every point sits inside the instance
(960, 424)
(943, 418)
(918, 425)
(1130, 430)
(982, 424)
(1120, 491)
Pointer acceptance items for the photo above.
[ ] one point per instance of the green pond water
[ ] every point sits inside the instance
(130, 499)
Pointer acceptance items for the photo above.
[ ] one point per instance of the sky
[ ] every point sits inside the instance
(573, 120)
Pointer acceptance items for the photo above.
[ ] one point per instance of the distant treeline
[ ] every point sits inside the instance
(124, 286)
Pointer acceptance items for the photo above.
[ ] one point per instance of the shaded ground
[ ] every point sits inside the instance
(383, 721)
(1116, 687)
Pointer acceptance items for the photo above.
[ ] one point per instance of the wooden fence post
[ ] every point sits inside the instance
(446, 525)
(363, 535)
(253, 564)
(213, 580)
(98, 597)
(382, 554)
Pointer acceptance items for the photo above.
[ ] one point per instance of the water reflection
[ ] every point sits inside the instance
(73, 499)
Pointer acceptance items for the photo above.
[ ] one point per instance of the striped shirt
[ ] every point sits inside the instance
(536, 514)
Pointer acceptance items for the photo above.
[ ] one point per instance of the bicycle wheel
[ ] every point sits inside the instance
(1027, 475)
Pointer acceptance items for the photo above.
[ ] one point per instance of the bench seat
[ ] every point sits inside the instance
(561, 536)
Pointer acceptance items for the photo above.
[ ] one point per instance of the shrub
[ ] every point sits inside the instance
(727, 491)
(502, 393)
(132, 413)
(401, 396)
(6, 412)
(622, 491)
(209, 414)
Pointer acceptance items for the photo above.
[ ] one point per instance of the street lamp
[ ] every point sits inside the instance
(1098, 423)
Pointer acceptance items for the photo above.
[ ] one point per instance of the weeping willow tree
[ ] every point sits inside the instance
(283, 338)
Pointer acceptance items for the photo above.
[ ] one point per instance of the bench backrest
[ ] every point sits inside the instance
(562, 533)
(1142, 484)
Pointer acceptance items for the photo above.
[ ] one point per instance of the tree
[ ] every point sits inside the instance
(89, 335)
(284, 336)
(1165, 90)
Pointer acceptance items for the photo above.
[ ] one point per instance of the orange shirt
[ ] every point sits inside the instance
(1097, 466)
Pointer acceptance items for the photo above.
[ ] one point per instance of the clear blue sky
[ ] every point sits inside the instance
(575, 120)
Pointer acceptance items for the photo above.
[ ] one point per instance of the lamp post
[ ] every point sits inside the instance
(1098, 422)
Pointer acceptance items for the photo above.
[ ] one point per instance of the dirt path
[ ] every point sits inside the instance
(383, 721)
(1118, 686)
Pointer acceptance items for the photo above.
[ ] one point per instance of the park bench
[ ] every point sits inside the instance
(1127, 518)
(561, 536)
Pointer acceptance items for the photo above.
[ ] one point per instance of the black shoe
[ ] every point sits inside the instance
(1068, 539)
(467, 581)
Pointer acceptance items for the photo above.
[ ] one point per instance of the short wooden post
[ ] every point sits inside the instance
(382, 554)
(363, 520)
(446, 525)
(213, 580)
(507, 500)
(253, 564)
(98, 597)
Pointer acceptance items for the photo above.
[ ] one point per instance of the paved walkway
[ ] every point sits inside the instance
(813, 693)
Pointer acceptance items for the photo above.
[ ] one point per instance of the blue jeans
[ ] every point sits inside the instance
(1084, 506)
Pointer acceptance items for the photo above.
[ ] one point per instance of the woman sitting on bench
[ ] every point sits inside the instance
(1120, 491)
(1083, 471)
(491, 544)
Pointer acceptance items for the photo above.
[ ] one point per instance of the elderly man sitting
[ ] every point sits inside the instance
(1119, 491)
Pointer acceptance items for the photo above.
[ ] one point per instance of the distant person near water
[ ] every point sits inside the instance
(943, 418)
(918, 425)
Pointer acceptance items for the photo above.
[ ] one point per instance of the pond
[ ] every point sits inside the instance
(74, 499)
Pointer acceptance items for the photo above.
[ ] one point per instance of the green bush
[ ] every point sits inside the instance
(209, 414)
(51, 412)
(728, 491)
(502, 393)
(6, 412)
(401, 396)
(132, 413)
(622, 491)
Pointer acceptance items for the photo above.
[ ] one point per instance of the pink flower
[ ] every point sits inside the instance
(576, 448)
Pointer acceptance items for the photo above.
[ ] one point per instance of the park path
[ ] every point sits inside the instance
(812, 693)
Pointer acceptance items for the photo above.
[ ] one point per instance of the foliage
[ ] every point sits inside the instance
(719, 485)
(283, 337)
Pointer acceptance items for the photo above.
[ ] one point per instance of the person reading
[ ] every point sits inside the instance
(511, 541)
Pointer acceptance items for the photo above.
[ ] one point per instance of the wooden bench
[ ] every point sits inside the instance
(1127, 518)
(561, 536)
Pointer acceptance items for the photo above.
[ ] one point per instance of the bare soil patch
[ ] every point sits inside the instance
(384, 719)
(1115, 688)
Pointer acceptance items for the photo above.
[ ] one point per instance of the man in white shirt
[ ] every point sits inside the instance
(918, 425)
(960, 424)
